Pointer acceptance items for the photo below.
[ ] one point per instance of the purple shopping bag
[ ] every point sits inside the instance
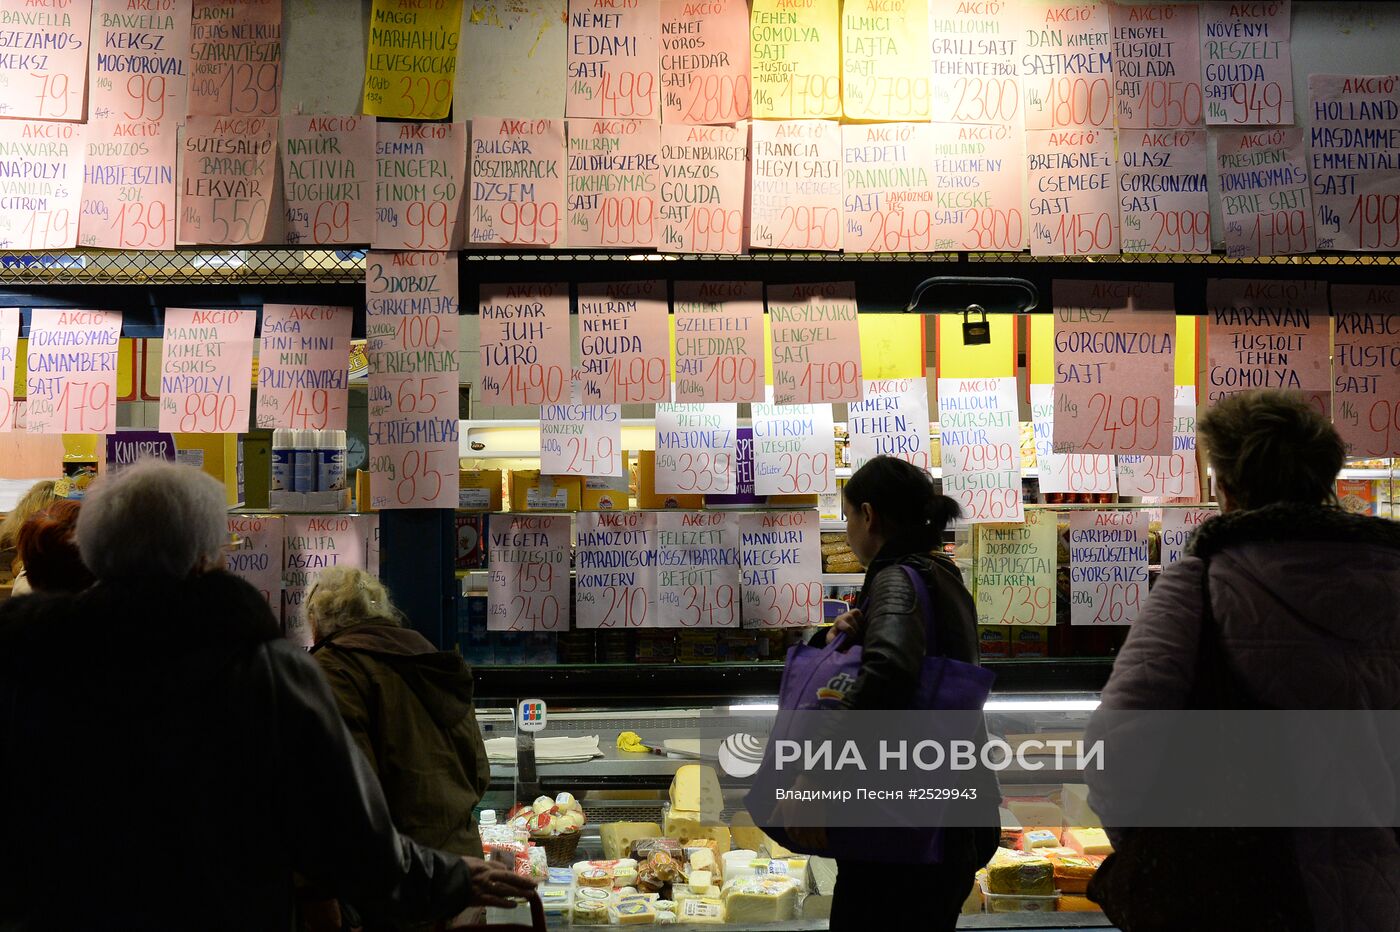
(817, 679)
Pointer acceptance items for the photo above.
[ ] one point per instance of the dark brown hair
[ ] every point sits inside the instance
(48, 552)
(1271, 446)
(912, 512)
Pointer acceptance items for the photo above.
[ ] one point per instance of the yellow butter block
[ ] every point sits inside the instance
(1088, 840)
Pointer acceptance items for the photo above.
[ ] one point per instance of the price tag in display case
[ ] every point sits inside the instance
(502, 211)
(624, 342)
(71, 385)
(782, 562)
(1108, 566)
(698, 580)
(616, 570)
(528, 584)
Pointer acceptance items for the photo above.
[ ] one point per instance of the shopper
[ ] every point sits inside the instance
(1302, 603)
(894, 516)
(39, 497)
(48, 554)
(408, 706)
(170, 760)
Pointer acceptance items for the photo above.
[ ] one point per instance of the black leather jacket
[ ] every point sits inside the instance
(167, 761)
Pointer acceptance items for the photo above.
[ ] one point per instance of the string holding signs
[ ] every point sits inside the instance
(411, 328)
(206, 356)
(1162, 191)
(1366, 357)
(1355, 149)
(615, 570)
(227, 171)
(614, 59)
(517, 176)
(9, 343)
(624, 342)
(328, 173)
(614, 167)
(719, 341)
(420, 183)
(1265, 195)
(796, 55)
(781, 554)
(696, 447)
(1073, 473)
(795, 185)
(1269, 334)
(891, 421)
(581, 440)
(702, 188)
(816, 343)
(1067, 71)
(698, 576)
(304, 367)
(235, 58)
(1248, 56)
(884, 56)
(45, 161)
(792, 449)
(256, 558)
(1114, 363)
(49, 84)
(411, 59)
(980, 438)
(71, 386)
(1173, 478)
(1157, 66)
(705, 61)
(524, 343)
(528, 585)
(1107, 566)
(1015, 571)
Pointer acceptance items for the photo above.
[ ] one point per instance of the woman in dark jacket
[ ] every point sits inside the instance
(894, 518)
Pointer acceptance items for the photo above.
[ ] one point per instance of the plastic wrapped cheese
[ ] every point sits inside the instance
(1088, 840)
(1020, 873)
(760, 899)
(1073, 873)
(702, 910)
(634, 910)
(1039, 838)
(618, 837)
(590, 913)
(1074, 799)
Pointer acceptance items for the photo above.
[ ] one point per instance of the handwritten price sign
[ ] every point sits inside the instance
(793, 454)
(9, 339)
(1358, 202)
(613, 60)
(698, 569)
(782, 561)
(696, 448)
(702, 188)
(980, 438)
(205, 360)
(719, 341)
(705, 62)
(328, 174)
(1068, 91)
(1015, 572)
(816, 343)
(796, 60)
(1267, 213)
(616, 570)
(889, 203)
(1367, 369)
(1247, 52)
(624, 342)
(312, 542)
(72, 364)
(524, 343)
(49, 157)
(1157, 66)
(1065, 472)
(581, 440)
(421, 182)
(236, 58)
(503, 209)
(796, 185)
(257, 557)
(528, 586)
(1072, 181)
(1108, 566)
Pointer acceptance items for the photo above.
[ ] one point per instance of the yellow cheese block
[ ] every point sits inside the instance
(1019, 873)
(634, 910)
(695, 788)
(760, 899)
(617, 837)
(1036, 813)
(972, 903)
(747, 835)
(1088, 840)
(1074, 799)
(685, 826)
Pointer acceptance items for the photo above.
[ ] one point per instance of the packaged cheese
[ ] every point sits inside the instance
(590, 913)
(618, 837)
(1074, 799)
(1088, 840)
(530, 491)
(760, 899)
(1072, 873)
(1039, 838)
(1020, 873)
(703, 910)
(634, 910)
(595, 877)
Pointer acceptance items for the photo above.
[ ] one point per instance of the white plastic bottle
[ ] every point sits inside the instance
(330, 460)
(281, 472)
(303, 461)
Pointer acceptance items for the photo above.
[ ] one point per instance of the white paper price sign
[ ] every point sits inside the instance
(1107, 566)
(891, 421)
(1076, 473)
(528, 586)
(1167, 477)
(782, 559)
(1178, 524)
(981, 443)
(1015, 572)
(615, 566)
(581, 440)
(793, 452)
(698, 569)
(696, 446)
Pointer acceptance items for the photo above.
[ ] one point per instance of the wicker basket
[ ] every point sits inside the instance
(559, 850)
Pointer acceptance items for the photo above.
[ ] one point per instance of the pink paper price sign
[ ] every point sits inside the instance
(581, 440)
(206, 356)
(311, 544)
(1366, 352)
(889, 203)
(615, 570)
(517, 178)
(72, 364)
(1072, 182)
(980, 439)
(48, 82)
(236, 58)
(420, 184)
(1355, 148)
(976, 63)
(1178, 524)
(1157, 66)
(524, 343)
(1107, 566)
(698, 575)
(1076, 473)
(328, 176)
(1269, 334)
(304, 367)
(719, 341)
(129, 185)
(411, 327)
(614, 176)
(702, 188)
(795, 185)
(781, 555)
(528, 586)
(257, 555)
(624, 342)
(140, 76)
(1247, 52)
(1067, 65)
(1167, 478)
(705, 61)
(891, 421)
(43, 162)
(1265, 194)
(614, 57)
(816, 343)
(979, 187)
(9, 340)
(226, 177)
(696, 449)
(1162, 193)
(1115, 348)
(792, 450)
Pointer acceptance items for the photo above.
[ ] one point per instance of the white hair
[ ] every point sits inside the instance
(153, 518)
(345, 596)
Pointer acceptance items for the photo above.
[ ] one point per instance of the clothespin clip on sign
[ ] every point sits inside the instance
(976, 332)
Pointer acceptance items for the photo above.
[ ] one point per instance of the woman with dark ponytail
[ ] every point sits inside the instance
(895, 517)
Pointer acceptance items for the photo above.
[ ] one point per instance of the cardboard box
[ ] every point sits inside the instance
(479, 490)
(649, 498)
(530, 491)
(607, 493)
(1030, 641)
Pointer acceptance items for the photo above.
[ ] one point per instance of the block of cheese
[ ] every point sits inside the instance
(972, 903)
(685, 825)
(634, 911)
(760, 899)
(1074, 800)
(699, 881)
(1073, 873)
(590, 913)
(818, 906)
(1088, 840)
(617, 837)
(1036, 812)
(705, 910)
(747, 835)
(1020, 873)
(1040, 838)
(695, 788)
(703, 859)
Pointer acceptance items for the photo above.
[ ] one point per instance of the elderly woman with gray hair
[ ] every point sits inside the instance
(171, 761)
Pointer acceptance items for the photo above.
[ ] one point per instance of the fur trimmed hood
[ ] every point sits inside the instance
(1291, 522)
